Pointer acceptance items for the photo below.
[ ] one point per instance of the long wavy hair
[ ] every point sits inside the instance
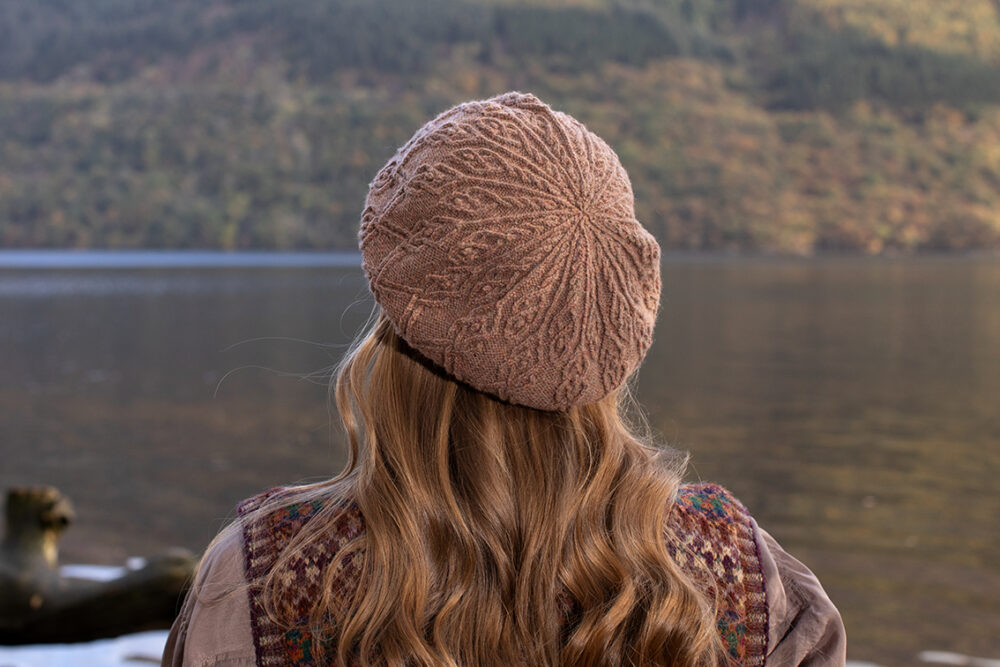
(482, 518)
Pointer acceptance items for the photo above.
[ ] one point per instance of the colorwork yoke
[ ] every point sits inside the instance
(772, 609)
(708, 525)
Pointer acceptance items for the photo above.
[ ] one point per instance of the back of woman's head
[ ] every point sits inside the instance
(512, 514)
(498, 534)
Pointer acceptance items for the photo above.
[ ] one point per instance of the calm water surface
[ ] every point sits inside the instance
(852, 404)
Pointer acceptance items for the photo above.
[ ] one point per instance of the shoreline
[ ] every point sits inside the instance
(46, 258)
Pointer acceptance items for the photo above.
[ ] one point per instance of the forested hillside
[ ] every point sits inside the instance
(793, 126)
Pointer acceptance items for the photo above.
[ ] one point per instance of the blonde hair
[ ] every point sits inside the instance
(479, 514)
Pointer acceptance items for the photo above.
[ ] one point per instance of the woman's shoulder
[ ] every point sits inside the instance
(790, 618)
(709, 526)
(711, 536)
(213, 625)
(273, 518)
(222, 621)
(272, 524)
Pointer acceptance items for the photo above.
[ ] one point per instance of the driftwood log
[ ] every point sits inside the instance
(37, 605)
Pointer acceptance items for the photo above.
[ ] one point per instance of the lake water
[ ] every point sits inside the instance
(852, 404)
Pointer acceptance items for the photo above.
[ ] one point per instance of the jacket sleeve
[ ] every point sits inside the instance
(804, 626)
(213, 626)
(173, 652)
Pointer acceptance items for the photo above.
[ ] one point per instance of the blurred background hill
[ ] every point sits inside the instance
(790, 126)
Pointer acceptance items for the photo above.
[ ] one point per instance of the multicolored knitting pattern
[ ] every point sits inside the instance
(710, 537)
(263, 542)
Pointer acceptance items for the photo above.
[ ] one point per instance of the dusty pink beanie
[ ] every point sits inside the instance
(502, 243)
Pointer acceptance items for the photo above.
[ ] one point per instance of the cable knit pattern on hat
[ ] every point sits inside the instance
(502, 243)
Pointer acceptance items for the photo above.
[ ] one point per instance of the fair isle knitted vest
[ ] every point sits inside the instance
(710, 532)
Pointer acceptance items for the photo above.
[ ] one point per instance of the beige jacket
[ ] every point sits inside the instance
(804, 627)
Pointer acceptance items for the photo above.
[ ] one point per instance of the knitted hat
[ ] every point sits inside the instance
(502, 243)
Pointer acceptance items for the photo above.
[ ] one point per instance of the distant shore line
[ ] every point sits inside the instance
(165, 259)
(141, 259)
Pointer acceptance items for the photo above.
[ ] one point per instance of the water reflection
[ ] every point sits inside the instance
(852, 405)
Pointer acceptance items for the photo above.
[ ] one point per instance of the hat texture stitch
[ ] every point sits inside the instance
(502, 243)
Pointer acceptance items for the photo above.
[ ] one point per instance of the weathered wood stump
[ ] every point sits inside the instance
(38, 605)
